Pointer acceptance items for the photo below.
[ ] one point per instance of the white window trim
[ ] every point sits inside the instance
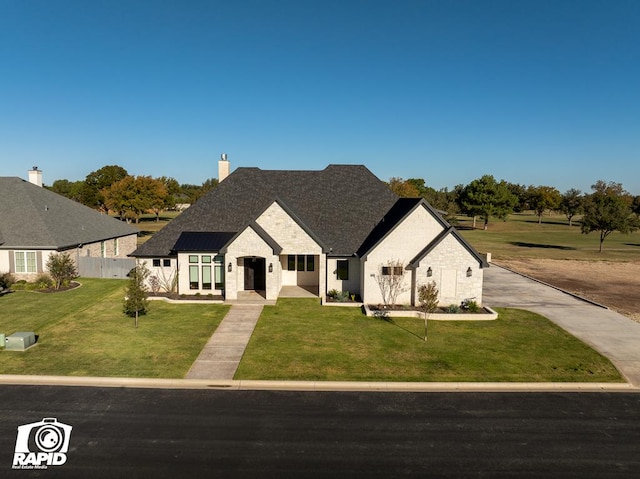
(26, 261)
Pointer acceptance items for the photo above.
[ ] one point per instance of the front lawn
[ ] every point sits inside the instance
(300, 340)
(83, 332)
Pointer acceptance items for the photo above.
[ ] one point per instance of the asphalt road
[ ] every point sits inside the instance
(202, 433)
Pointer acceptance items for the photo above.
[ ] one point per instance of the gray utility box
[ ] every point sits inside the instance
(20, 341)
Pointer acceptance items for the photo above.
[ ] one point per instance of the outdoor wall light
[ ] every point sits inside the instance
(270, 267)
(429, 272)
(229, 268)
(469, 272)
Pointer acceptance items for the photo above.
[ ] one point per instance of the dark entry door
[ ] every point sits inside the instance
(254, 274)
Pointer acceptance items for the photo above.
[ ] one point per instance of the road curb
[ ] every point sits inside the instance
(312, 386)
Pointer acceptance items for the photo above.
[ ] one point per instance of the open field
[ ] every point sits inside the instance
(522, 237)
(300, 340)
(83, 332)
(561, 255)
(149, 226)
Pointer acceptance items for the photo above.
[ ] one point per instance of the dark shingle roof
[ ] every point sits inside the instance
(202, 241)
(340, 205)
(34, 217)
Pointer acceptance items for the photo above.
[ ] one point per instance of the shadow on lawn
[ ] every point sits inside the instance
(389, 320)
(537, 245)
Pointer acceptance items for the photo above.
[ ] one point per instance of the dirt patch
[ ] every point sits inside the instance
(612, 284)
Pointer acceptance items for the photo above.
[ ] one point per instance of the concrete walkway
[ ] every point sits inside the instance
(613, 335)
(220, 357)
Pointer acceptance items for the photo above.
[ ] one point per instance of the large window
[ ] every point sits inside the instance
(204, 276)
(343, 269)
(311, 263)
(194, 282)
(301, 262)
(25, 262)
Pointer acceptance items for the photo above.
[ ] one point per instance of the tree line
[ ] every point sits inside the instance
(112, 189)
(608, 208)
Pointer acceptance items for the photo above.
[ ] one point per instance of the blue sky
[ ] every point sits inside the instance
(535, 92)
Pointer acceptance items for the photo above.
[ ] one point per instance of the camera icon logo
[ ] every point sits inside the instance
(42, 444)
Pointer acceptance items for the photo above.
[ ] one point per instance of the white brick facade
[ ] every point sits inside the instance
(249, 243)
(449, 262)
(286, 232)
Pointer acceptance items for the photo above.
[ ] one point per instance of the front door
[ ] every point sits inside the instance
(254, 274)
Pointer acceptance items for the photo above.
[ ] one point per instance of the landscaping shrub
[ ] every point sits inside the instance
(6, 281)
(453, 309)
(62, 269)
(471, 306)
(43, 281)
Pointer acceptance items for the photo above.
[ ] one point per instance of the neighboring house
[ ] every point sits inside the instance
(35, 222)
(321, 230)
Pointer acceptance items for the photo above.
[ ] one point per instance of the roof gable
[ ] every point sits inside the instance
(273, 244)
(394, 217)
(34, 217)
(415, 262)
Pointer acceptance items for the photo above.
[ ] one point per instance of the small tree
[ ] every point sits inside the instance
(61, 268)
(543, 198)
(571, 203)
(136, 301)
(390, 279)
(428, 299)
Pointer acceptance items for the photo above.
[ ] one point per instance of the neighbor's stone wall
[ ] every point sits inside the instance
(125, 246)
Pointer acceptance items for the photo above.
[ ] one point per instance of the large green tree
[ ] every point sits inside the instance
(608, 209)
(69, 189)
(543, 198)
(405, 188)
(485, 197)
(133, 196)
(96, 182)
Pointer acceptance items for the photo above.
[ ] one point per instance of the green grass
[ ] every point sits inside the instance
(149, 226)
(300, 340)
(522, 237)
(83, 332)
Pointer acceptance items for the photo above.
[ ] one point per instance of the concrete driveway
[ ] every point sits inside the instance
(612, 334)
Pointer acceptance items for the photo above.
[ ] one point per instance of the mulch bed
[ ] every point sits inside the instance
(72, 285)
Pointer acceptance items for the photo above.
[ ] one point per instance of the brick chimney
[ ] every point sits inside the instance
(35, 176)
(223, 167)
